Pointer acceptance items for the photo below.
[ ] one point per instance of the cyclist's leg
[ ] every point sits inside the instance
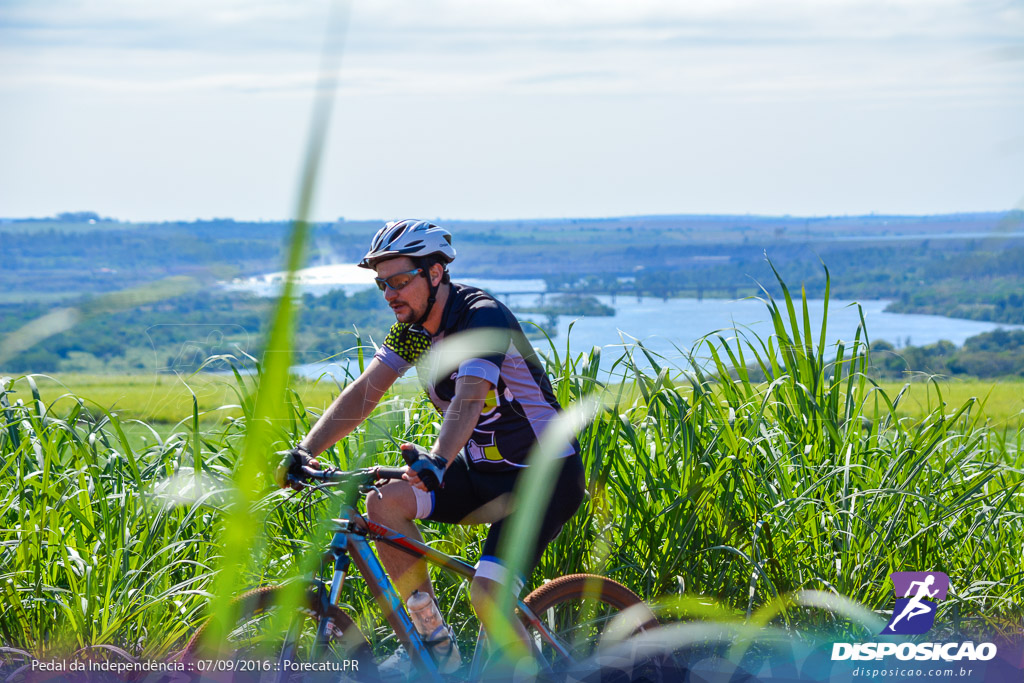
(484, 592)
(458, 501)
(567, 495)
(396, 508)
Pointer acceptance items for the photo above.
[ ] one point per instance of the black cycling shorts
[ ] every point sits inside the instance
(466, 495)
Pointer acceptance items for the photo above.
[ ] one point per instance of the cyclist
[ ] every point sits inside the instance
(494, 408)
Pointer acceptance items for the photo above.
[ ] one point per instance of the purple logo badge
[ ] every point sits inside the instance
(916, 595)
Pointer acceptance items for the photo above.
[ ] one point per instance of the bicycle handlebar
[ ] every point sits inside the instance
(363, 477)
(390, 472)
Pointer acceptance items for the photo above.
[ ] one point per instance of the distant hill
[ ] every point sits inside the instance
(966, 264)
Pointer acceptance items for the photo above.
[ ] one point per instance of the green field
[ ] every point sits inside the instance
(166, 400)
(1000, 402)
(153, 408)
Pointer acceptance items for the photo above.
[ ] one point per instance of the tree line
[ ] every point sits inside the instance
(180, 333)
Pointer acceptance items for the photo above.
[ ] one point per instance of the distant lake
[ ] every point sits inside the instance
(666, 327)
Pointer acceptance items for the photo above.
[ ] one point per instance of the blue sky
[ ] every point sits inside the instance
(461, 109)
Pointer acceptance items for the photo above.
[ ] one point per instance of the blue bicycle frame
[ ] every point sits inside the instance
(351, 543)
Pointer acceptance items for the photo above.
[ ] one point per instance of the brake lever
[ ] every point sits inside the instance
(370, 487)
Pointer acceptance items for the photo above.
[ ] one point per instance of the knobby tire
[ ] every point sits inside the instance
(579, 609)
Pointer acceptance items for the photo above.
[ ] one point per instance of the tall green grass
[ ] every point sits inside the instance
(717, 488)
(747, 491)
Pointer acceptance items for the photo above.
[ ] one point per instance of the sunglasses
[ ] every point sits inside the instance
(397, 281)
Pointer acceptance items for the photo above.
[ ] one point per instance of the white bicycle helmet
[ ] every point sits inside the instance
(421, 241)
(412, 238)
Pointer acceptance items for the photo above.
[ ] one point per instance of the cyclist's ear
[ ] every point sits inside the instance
(435, 271)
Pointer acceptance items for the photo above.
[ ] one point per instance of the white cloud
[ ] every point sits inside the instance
(666, 88)
(405, 26)
(716, 48)
(748, 20)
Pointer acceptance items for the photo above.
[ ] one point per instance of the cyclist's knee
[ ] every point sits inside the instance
(395, 501)
(378, 505)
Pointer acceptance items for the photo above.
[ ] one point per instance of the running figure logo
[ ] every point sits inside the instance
(915, 610)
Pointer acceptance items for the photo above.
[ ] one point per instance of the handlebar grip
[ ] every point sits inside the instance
(321, 475)
(390, 472)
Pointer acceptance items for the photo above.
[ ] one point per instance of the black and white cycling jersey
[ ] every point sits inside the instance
(521, 403)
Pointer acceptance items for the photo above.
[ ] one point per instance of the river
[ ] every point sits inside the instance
(670, 327)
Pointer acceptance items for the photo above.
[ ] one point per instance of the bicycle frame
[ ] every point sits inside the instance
(351, 543)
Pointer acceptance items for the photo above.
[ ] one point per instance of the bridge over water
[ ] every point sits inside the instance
(696, 291)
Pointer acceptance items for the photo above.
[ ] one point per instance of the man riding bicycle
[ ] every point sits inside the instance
(495, 407)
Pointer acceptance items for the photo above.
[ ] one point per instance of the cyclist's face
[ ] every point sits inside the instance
(409, 302)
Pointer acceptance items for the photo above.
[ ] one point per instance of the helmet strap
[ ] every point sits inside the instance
(431, 299)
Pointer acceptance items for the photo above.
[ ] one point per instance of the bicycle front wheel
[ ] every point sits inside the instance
(582, 612)
(267, 646)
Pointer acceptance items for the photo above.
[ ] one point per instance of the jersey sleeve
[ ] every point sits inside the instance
(403, 347)
(487, 366)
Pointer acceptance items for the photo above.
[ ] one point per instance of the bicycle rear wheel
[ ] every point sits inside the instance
(583, 612)
(265, 646)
